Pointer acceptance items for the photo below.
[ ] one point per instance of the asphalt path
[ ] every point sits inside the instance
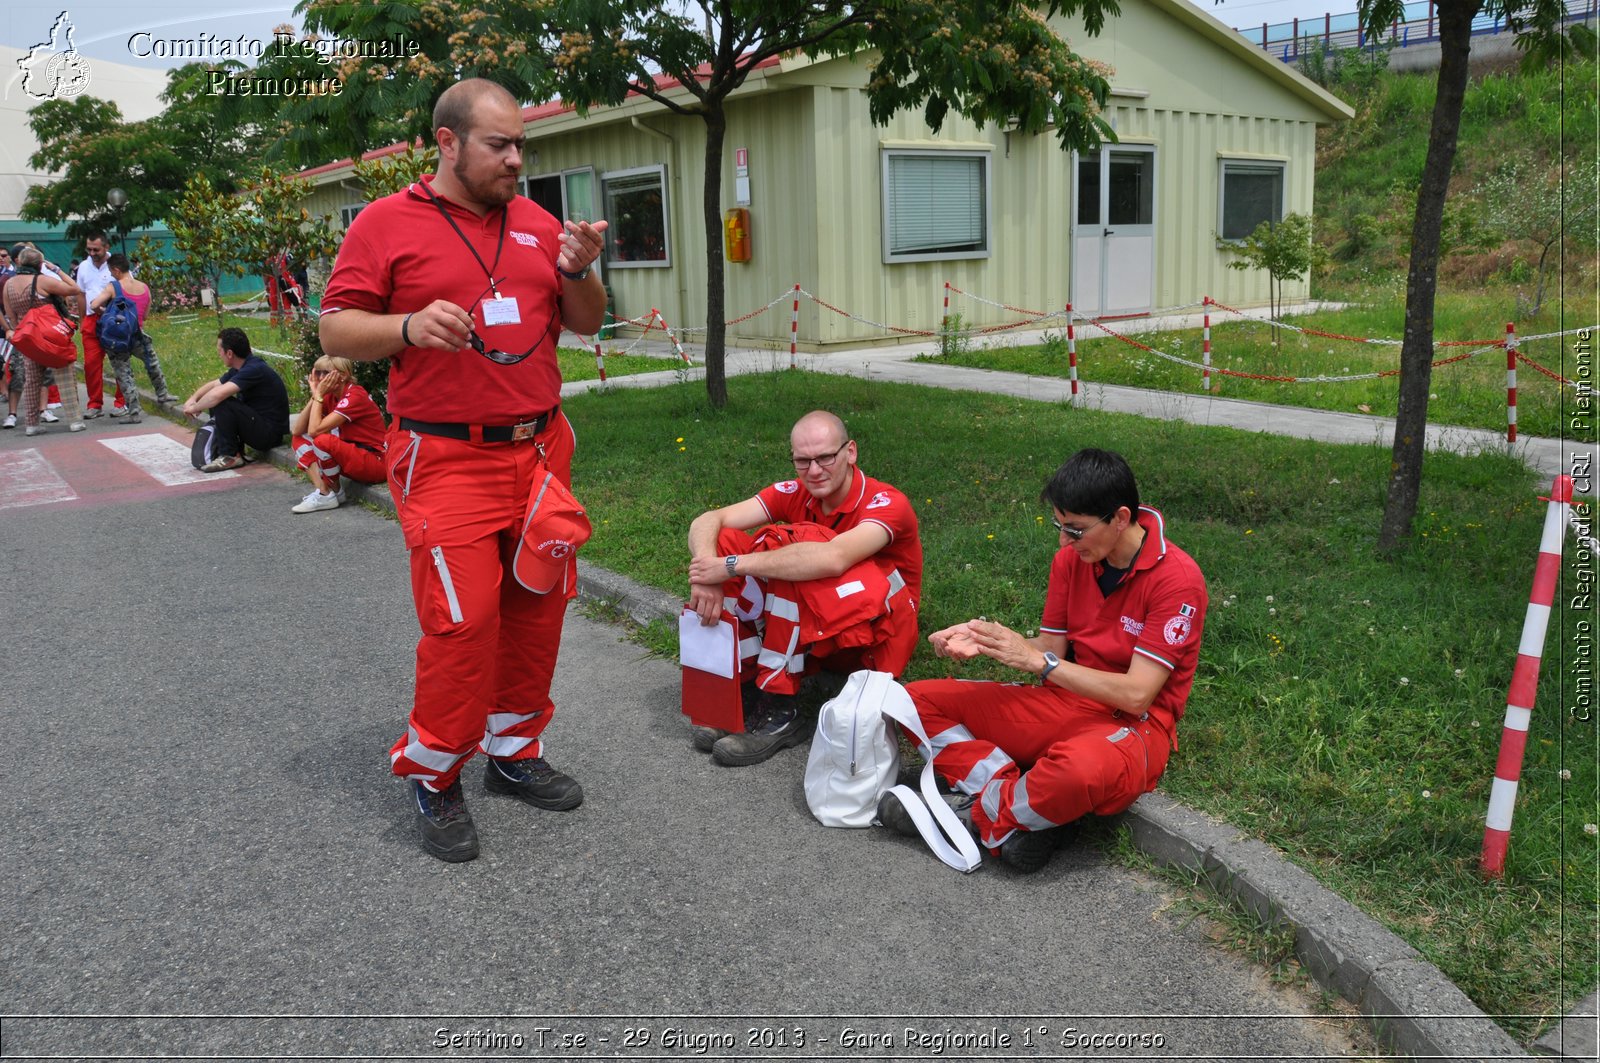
(199, 692)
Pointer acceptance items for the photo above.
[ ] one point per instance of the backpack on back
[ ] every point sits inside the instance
(119, 322)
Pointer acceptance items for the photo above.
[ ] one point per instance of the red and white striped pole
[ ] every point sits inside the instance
(1205, 347)
(794, 326)
(1524, 680)
(1511, 381)
(599, 361)
(1072, 356)
(944, 322)
(671, 336)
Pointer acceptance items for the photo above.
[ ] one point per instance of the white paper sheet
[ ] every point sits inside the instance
(710, 649)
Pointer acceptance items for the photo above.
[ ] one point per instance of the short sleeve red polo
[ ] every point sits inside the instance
(365, 425)
(400, 254)
(1157, 612)
(867, 500)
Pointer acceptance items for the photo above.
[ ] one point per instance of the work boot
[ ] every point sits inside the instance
(892, 813)
(444, 824)
(703, 738)
(1027, 851)
(776, 726)
(533, 781)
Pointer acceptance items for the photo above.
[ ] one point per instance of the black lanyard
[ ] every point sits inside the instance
(488, 271)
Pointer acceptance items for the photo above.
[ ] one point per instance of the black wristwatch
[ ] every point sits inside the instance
(1050, 662)
(582, 274)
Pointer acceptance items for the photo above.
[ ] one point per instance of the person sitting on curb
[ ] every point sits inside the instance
(248, 403)
(340, 432)
(837, 518)
(138, 293)
(1115, 657)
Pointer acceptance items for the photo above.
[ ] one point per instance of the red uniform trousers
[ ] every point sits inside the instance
(488, 646)
(1038, 756)
(882, 640)
(337, 457)
(94, 360)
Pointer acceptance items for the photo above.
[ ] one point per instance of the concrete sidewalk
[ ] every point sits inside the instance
(1549, 457)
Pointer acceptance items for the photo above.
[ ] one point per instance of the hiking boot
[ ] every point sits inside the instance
(444, 824)
(704, 738)
(776, 726)
(892, 813)
(533, 781)
(1028, 851)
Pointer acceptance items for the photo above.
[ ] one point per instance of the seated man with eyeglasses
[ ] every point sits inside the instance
(1115, 656)
(840, 557)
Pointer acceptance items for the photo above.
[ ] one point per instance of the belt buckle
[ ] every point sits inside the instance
(526, 430)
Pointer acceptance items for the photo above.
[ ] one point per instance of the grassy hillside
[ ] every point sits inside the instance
(1519, 133)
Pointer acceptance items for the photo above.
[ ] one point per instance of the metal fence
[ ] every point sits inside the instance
(1290, 40)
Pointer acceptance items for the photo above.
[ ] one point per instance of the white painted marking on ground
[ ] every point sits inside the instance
(26, 479)
(162, 458)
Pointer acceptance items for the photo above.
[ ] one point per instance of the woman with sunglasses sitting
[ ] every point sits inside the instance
(339, 433)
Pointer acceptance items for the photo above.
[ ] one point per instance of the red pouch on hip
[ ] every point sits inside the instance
(552, 531)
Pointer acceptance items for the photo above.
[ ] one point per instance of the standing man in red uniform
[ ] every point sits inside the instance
(465, 286)
(1115, 658)
(838, 518)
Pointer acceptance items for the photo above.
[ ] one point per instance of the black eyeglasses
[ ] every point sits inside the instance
(1078, 533)
(823, 461)
(504, 357)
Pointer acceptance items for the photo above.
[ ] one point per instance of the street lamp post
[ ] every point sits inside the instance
(117, 200)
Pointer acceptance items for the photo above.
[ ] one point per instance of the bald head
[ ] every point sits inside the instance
(820, 421)
(458, 105)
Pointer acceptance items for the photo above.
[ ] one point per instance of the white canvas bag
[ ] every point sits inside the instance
(855, 759)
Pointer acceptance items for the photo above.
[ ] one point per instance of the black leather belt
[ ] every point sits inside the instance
(482, 433)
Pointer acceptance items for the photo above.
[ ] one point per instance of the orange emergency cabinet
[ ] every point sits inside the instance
(736, 234)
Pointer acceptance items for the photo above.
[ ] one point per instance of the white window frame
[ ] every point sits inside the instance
(348, 212)
(1247, 164)
(660, 170)
(888, 205)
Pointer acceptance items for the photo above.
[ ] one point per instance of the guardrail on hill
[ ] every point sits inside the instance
(1291, 40)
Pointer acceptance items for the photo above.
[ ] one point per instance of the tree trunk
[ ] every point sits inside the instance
(1422, 280)
(716, 294)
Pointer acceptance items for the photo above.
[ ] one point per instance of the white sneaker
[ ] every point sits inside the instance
(10, 421)
(47, 417)
(316, 500)
(52, 406)
(77, 426)
(34, 430)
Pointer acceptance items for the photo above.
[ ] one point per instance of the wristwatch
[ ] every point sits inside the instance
(731, 561)
(1050, 662)
(578, 276)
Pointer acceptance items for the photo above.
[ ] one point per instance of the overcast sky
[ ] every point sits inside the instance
(116, 31)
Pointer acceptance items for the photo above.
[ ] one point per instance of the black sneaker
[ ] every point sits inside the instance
(1028, 851)
(444, 824)
(776, 726)
(533, 781)
(893, 814)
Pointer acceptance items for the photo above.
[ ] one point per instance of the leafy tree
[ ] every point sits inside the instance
(990, 60)
(272, 222)
(1538, 25)
(391, 173)
(1286, 250)
(1525, 200)
(208, 234)
(93, 149)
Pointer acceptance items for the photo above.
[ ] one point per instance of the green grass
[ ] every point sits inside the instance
(1346, 709)
(1471, 393)
(188, 352)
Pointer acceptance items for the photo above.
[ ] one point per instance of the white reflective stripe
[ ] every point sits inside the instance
(415, 448)
(1023, 813)
(749, 647)
(303, 449)
(1533, 630)
(845, 590)
(499, 722)
(331, 467)
(984, 771)
(503, 747)
(783, 608)
(433, 759)
(1555, 523)
(948, 737)
(1517, 718)
(1119, 735)
(781, 662)
(990, 801)
(897, 582)
(1502, 801)
(447, 583)
(1511, 378)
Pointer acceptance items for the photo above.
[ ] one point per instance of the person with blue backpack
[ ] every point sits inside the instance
(120, 308)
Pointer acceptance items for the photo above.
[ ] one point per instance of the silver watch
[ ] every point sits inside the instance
(731, 561)
(1050, 662)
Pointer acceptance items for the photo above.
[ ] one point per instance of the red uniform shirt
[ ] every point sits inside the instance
(867, 500)
(400, 254)
(1157, 611)
(365, 426)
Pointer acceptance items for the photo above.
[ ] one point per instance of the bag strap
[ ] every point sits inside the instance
(55, 301)
(116, 289)
(963, 855)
